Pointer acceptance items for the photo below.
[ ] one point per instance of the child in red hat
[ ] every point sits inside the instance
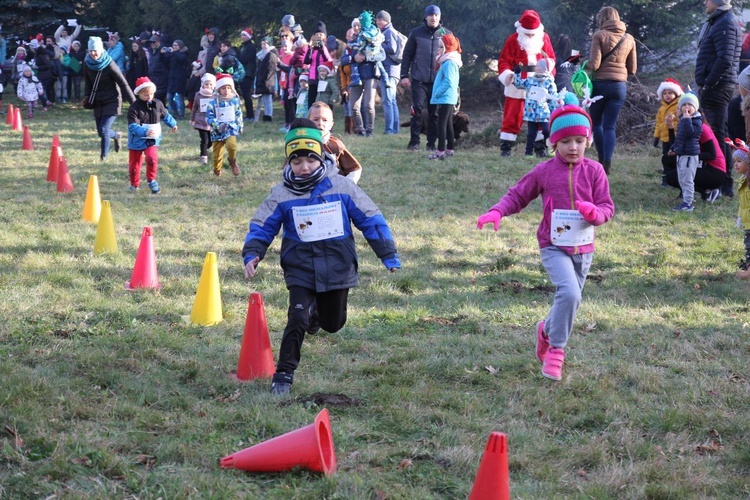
(144, 133)
(668, 93)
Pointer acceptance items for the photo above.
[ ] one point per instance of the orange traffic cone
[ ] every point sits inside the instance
(27, 145)
(92, 207)
(17, 122)
(64, 182)
(55, 141)
(144, 271)
(310, 447)
(11, 115)
(54, 163)
(492, 482)
(256, 358)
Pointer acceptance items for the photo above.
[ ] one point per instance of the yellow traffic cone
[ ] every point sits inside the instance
(105, 232)
(207, 304)
(92, 207)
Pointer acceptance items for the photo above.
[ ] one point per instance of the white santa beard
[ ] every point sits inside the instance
(532, 45)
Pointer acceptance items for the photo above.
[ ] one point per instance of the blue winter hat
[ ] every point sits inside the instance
(431, 9)
(95, 43)
(688, 97)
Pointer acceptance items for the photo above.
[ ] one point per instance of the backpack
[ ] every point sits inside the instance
(400, 44)
(580, 81)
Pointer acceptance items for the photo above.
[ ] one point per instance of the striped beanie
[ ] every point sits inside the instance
(569, 119)
(303, 139)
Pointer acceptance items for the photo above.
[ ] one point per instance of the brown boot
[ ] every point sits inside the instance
(348, 124)
(743, 275)
(235, 167)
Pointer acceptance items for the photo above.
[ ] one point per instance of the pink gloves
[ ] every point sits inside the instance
(588, 210)
(492, 216)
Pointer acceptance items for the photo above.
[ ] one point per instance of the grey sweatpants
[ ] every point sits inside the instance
(687, 166)
(568, 274)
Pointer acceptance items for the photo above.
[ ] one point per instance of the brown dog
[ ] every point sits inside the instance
(461, 123)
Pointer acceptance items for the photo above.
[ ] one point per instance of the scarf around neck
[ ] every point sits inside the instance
(302, 185)
(98, 64)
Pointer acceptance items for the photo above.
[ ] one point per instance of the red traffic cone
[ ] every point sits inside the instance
(17, 122)
(310, 447)
(11, 115)
(55, 141)
(64, 182)
(27, 145)
(54, 163)
(144, 270)
(492, 482)
(256, 358)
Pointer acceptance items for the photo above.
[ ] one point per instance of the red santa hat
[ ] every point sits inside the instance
(248, 32)
(327, 65)
(142, 83)
(530, 22)
(224, 79)
(670, 84)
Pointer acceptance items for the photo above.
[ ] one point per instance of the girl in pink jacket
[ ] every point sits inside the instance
(575, 199)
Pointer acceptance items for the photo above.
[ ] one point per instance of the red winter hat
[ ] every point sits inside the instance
(530, 20)
(142, 83)
(670, 84)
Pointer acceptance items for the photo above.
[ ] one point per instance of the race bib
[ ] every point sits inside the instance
(156, 127)
(225, 114)
(537, 94)
(203, 105)
(568, 228)
(322, 85)
(318, 222)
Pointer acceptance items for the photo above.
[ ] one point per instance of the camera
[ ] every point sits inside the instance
(318, 44)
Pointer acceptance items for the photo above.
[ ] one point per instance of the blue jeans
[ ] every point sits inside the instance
(568, 274)
(104, 130)
(176, 105)
(390, 106)
(604, 113)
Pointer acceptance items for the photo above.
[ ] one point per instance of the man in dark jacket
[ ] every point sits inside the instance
(418, 72)
(158, 67)
(247, 59)
(719, 47)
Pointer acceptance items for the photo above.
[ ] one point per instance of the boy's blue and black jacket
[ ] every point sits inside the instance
(142, 113)
(687, 138)
(324, 265)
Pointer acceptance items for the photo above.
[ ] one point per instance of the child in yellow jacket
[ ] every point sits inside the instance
(668, 93)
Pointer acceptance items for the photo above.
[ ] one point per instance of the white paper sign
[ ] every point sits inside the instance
(568, 228)
(73, 22)
(225, 114)
(318, 222)
(537, 94)
(156, 127)
(322, 85)
(203, 105)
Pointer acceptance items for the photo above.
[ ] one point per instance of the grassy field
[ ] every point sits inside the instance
(109, 393)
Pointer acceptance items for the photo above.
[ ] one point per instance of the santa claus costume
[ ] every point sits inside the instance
(524, 47)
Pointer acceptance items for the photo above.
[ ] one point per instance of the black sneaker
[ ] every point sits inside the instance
(117, 139)
(314, 326)
(413, 147)
(281, 384)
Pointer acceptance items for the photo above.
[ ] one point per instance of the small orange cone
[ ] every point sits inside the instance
(27, 145)
(92, 207)
(11, 115)
(310, 447)
(17, 122)
(492, 482)
(64, 182)
(256, 358)
(55, 141)
(54, 163)
(144, 271)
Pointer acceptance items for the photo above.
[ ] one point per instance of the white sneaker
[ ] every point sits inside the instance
(204, 160)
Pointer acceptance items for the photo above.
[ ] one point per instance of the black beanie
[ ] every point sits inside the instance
(321, 28)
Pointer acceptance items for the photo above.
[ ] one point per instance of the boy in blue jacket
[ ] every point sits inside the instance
(316, 208)
(144, 133)
(687, 148)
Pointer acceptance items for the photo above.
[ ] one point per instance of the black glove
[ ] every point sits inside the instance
(517, 69)
(656, 142)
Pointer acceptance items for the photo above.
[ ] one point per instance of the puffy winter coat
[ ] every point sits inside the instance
(140, 115)
(719, 47)
(420, 53)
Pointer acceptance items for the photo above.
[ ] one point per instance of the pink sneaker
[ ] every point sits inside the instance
(542, 342)
(553, 363)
